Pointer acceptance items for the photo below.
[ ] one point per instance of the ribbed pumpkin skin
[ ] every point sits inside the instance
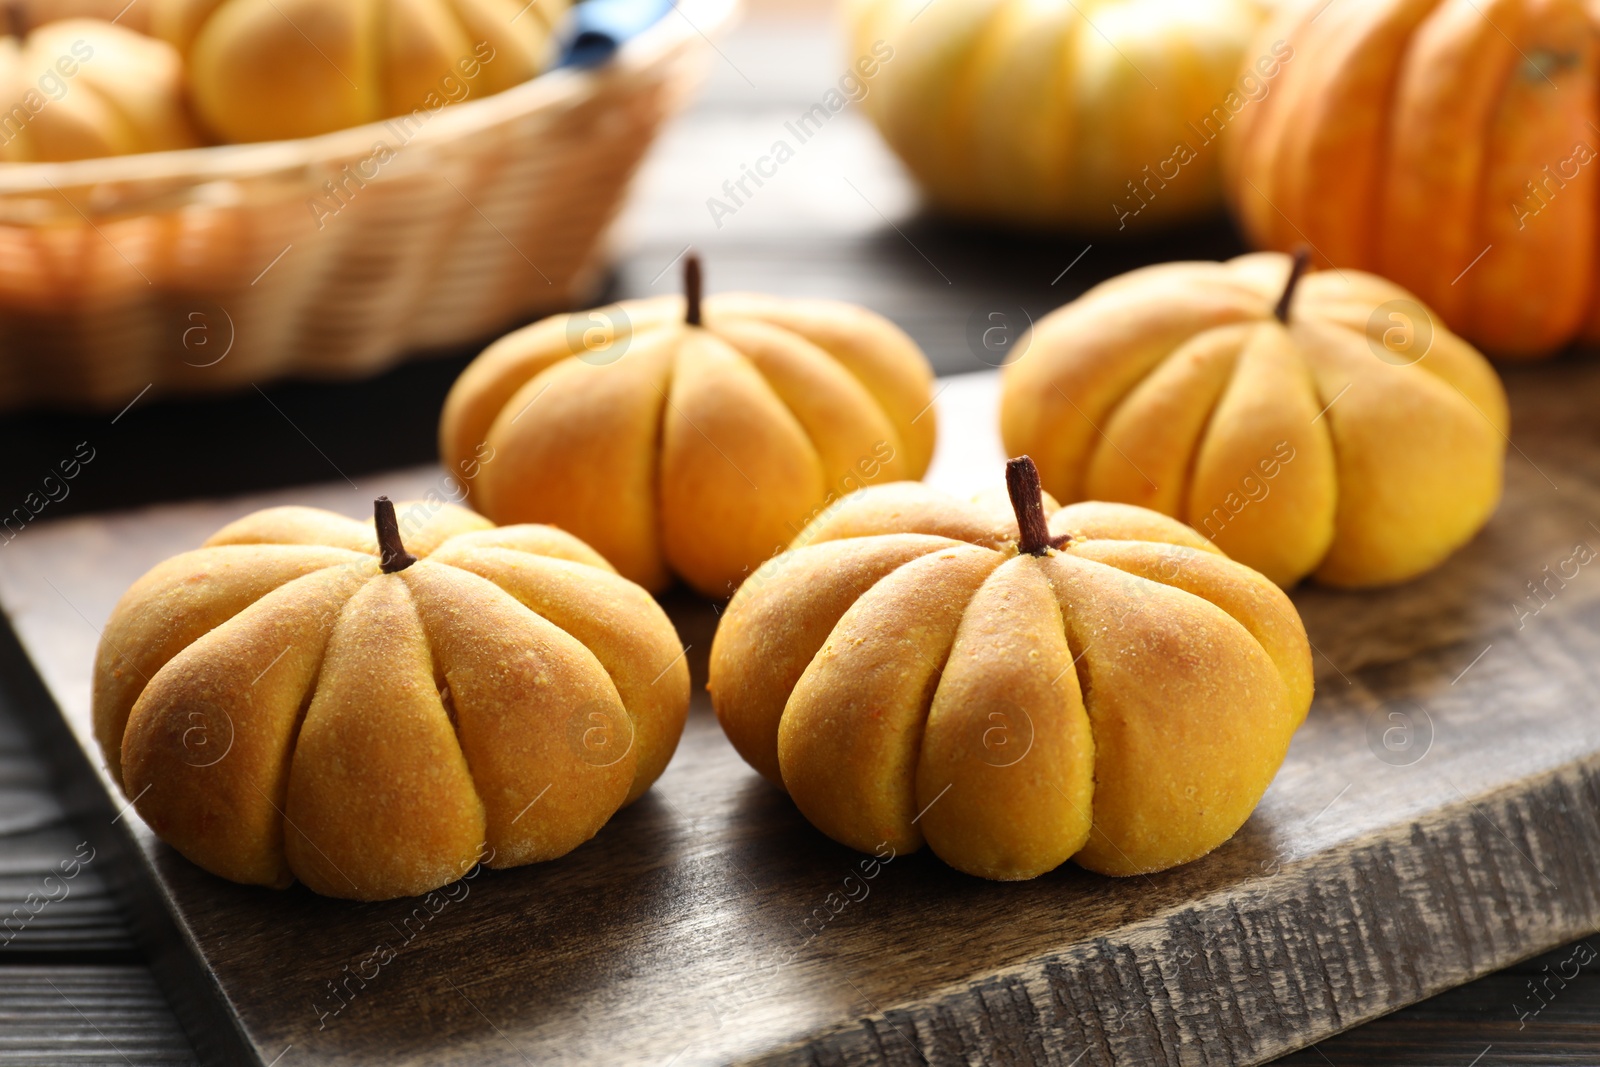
(1052, 112)
(1452, 146)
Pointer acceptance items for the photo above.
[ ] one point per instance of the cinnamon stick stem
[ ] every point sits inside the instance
(392, 554)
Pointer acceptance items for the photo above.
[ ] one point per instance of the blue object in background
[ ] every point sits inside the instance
(596, 28)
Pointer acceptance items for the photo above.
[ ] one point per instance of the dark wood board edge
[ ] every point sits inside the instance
(1457, 888)
(192, 991)
(1377, 899)
(1472, 888)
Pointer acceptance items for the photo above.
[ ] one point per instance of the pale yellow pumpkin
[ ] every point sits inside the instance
(1091, 114)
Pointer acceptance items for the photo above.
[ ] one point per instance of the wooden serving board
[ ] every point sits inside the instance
(1437, 818)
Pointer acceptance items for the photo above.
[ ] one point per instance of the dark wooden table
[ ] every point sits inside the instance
(839, 220)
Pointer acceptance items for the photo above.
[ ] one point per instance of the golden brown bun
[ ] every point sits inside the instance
(281, 708)
(265, 70)
(82, 88)
(906, 674)
(695, 451)
(1311, 447)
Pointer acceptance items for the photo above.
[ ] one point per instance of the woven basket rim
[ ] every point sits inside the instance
(554, 90)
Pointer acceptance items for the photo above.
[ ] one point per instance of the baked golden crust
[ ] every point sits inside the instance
(908, 675)
(1304, 445)
(280, 707)
(694, 451)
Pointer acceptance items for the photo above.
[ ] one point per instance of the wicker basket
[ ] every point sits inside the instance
(206, 270)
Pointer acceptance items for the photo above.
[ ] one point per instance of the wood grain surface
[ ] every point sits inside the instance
(116, 1009)
(704, 922)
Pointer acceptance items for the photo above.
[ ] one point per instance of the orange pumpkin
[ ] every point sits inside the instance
(1452, 146)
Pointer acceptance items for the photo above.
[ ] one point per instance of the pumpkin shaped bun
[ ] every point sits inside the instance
(1016, 686)
(82, 89)
(1310, 424)
(1448, 146)
(303, 698)
(689, 440)
(266, 70)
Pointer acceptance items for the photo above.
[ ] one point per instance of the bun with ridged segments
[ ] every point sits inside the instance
(269, 70)
(1014, 687)
(1326, 425)
(305, 698)
(687, 439)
